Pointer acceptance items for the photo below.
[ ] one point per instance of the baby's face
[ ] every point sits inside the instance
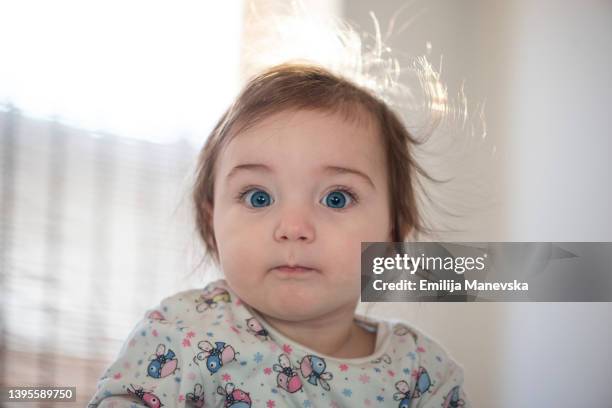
(281, 199)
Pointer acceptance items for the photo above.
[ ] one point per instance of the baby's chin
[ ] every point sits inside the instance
(296, 299)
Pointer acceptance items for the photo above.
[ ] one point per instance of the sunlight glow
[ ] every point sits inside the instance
(140, 69)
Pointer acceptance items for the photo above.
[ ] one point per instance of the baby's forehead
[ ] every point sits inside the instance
(306, 137)
(309, 130)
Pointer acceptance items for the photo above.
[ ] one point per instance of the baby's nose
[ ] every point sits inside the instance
(295, 225)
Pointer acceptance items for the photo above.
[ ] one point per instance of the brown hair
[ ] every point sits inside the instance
(302, 86)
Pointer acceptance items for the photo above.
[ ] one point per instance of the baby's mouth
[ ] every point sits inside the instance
(294, 269)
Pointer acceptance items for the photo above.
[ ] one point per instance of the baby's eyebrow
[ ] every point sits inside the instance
(344, 170)
(326, 169)
(248, 166)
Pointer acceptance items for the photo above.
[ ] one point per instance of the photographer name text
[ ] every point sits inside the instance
(448, 285)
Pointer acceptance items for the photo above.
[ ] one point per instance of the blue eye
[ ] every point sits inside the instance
(258, 198)
(338, 199)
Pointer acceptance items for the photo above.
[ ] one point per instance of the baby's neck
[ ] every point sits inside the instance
(334, 335)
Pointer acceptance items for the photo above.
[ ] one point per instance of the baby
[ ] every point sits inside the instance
(301, 169)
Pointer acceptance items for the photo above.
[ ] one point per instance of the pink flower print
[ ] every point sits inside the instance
(238, 302)
(364, 378)
(154, 333)
(270, 404)
(267, 371)
(273, 347)
(186, 342)
(415, 373)
(226, 377)
(190, 335)
(391, 373)
(420, 349)
(181, 398)
(343, 367)
(117, 376)
(287, 349)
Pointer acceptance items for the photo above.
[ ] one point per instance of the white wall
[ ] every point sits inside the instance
(559, 354)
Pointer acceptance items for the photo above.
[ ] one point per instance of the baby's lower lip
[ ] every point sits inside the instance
(296, 269)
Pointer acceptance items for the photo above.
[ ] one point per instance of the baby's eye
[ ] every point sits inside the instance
(256, 198)
(339, 198)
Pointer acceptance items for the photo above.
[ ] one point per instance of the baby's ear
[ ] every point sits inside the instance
(208, 209)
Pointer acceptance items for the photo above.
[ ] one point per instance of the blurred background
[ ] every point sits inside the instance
(103, 107)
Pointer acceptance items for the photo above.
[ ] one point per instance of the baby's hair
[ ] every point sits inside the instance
(296, 86)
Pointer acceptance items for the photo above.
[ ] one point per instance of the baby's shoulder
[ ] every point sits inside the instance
(417, 345)
(427, 372)
(193, 305)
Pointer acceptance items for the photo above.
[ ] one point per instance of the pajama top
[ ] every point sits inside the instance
(205, 348)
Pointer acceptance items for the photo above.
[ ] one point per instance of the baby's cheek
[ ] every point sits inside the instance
(343, 258)
(240, 258)
(236, 258)
(345, 248)
(234, 235)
